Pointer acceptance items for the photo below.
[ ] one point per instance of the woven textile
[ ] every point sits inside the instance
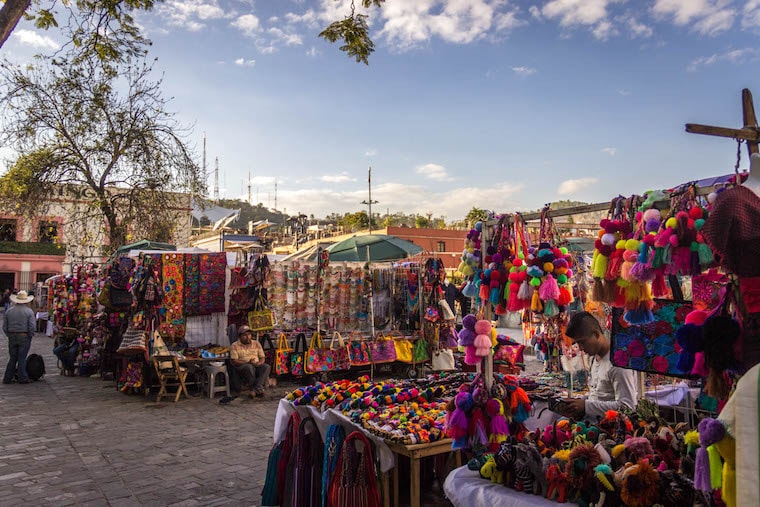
(213, 268)
(192, 285)
(733, 230)
(173, 326)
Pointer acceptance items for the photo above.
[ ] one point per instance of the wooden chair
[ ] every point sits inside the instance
(170, 374)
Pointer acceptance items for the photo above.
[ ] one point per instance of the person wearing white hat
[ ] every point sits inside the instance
(19, 325)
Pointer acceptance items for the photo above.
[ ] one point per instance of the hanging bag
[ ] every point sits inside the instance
(261, 318)
(318, 358)
(134, 341)
(297, 356)
(403, 346)
(420, 353)
(269, 351)
(382, 350)
(443, 360)
(354, 482)
(288, 443)
(359, 352)
(304, 479)
(282, 356)
(340, 353)
(334, 438)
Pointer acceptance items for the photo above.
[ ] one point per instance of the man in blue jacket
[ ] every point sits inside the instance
(19, 325)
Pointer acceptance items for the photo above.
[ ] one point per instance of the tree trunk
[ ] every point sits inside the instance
(10, 14)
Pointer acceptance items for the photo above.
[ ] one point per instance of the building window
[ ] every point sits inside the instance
(41, 277)
(8, 229)
(48, 232)
(441, 246)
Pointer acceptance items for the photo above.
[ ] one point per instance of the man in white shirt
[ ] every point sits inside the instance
(610, 387)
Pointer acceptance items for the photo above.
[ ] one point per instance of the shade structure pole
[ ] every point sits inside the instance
(371, 312)
(486, 364)
(319, 288)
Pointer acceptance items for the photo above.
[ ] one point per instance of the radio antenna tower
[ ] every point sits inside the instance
(249, 188)
(275, 195)
(216, 179)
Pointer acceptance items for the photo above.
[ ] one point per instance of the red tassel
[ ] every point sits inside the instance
(614, 265)
(513, 302)
(565, 296)
(619, 301)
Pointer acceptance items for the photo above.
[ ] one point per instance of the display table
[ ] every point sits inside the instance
(465, 488)
(387, 451)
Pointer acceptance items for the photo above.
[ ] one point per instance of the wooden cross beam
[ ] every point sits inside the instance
(749, 133)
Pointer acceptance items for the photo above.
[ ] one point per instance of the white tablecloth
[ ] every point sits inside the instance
(325, 419)
(465, 488)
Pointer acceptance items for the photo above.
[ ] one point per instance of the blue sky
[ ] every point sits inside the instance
(497, 104)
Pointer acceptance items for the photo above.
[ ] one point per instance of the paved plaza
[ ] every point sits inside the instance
(78, 441)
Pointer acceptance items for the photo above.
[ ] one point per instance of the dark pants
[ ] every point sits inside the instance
(67, 353)
(254, 376)
(18, 348)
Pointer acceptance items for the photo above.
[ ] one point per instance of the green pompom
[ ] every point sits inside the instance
(699, 223)
(535, 282)
(564, 250)
(562, 279)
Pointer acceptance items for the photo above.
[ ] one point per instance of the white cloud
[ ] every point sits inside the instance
(637, 29)
(242, 62)
(609, 151)
(287, 38)
(313, 52)
(434, 172)
(524, 71)
(535, 12)
(371, 152)
(751, 14)
(337, 178)
(569, 187)
(263, 180)
(398, 197)
(604, 30)
(735, 56)
(624, 92)
(707, 17)
(248, 24)
(576, 12)
(33, 39)
(191, 15)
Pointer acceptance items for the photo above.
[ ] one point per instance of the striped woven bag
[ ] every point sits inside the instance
(291, 436)
(354, 483)
(304, 480)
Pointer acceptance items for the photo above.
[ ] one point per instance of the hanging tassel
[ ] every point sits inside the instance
(499, 429)
(513, 302)
(565, 296)
(632, 295)
(614, 265)
(711, 431)
(535, 304)
(716, 467)
(484, 292)
(477, 428)
(705, 254)
(639, 316)
(493, 296)
(551, 309)
(600, 266)
(727, 449)
(659, 252)
(597, 291)
(482, 345)
(549, 289)
(470, 357)
(659, 287)
(525, 292)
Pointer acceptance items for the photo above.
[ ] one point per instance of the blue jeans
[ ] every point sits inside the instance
(18, 348)
(67, 353)
(254, 376)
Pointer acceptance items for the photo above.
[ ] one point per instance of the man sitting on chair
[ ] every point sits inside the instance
(247, 357)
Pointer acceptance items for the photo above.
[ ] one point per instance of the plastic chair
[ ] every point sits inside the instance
(208, 381)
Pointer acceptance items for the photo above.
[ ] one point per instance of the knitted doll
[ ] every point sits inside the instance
(640, 485)
(580, 472)
(605, 492)
(557, 483)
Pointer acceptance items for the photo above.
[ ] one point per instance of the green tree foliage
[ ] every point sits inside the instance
(101, 130)
(421, 222)
(475, 215)
(104, 28)
(353, 31)
(355, 221)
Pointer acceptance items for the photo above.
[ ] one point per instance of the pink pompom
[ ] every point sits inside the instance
(673, 240)
(696, 317)
(483, 327)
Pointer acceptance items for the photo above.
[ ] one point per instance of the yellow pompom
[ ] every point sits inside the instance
(548, 267)
(620, 245)
(632, 244)
(618, 450)
(671, 223)
(691, 438)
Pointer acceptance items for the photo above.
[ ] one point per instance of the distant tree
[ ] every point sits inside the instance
(475, 215)
(421, 222)
(100, 128)
(358, 220)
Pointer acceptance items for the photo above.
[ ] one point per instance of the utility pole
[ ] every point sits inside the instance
(370, 202)
(205, 169)
(275, 194)
(216, 179)
(249, 188)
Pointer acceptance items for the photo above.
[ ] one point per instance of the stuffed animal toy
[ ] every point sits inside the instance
(640, 486)
(557, 480)
(538, 465)
(580, 471)
(489, 470)
(605, 492)
(505, 461)
(676, 490)
(556, 434)
(590, 433)
(523, 474)
(634, 449)
(665, 446)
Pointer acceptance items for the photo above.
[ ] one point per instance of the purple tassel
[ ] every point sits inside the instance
(702, 471)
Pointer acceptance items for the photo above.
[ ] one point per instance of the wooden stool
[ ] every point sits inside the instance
(170, 376)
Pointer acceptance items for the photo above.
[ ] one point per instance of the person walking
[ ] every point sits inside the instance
(19, 325)
(6, 299)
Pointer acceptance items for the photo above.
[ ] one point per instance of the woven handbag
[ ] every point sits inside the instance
(340, 353)
(403, 346)
(304, 479)
(261, 318)
(297, 356)
(291, 435)
(358, 350)
(134, 341)
(282, 356)
(354, 483)
(382, 350)
(318, 358)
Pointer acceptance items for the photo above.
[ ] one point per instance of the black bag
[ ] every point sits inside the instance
(35, 366)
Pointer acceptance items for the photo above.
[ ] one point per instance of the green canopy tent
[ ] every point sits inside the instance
(380, 247)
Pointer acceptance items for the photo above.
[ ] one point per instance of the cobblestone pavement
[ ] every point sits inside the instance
(78, 441)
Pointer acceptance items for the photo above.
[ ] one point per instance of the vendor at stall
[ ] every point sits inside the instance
(610, 387)
(247, 358)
